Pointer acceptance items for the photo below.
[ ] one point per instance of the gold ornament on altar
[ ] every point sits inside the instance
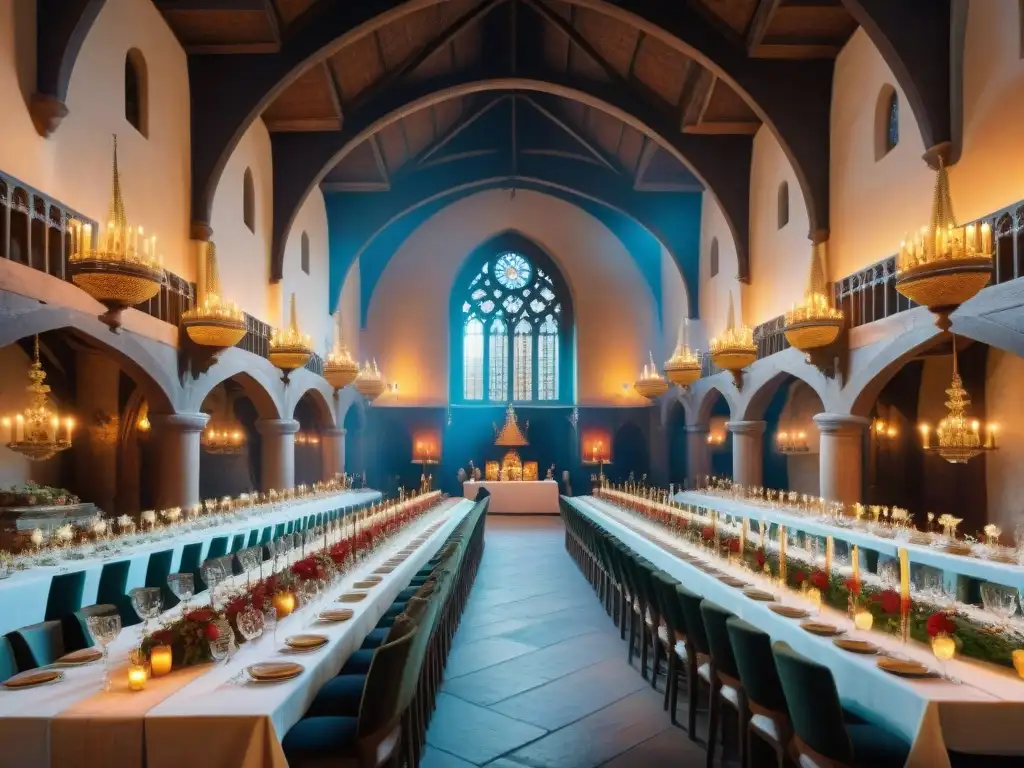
(683, 368)
(370, 382)
(530, 471)
(119, 267)
(491, 472)
(510, 435)
(944, 264)
(290, 349)
(651, 384)
(214, 323)
(958, 440)
(36, 432)
(340, 369)
(734, 350)
(511, 467)
(814, 323)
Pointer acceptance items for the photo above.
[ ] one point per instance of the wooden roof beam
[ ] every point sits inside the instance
(759, 23)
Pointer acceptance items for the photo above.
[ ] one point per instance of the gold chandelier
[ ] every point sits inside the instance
(290, 349)
(36, 432)
(957, 439)
(370, 382)
(814, 323)
(229, 439)
(944, 264)
(214, 323)
(650, 384)
(340, 369)
(683, 368)
(735, 349)
(120, 267)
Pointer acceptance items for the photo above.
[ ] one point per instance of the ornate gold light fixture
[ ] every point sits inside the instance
(957, 439)
(214, 323)
(340, 369)
(229, 439)
(290, 349)
(944, 264)
(36, 432)
(735, 349)
(683, 368)
(370, 382)
(651, 384)
(813, 323)
(119, 267)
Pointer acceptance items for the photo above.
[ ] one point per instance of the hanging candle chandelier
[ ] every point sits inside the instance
(37, 433)
(944, 264)
(370, 382)
(735, 349)
(813, 323)
(651, 384)
(683, 368)
(119, 267)
(213, 322)
(290, 349)
(957, 439)
(340, 369)
(229, 439)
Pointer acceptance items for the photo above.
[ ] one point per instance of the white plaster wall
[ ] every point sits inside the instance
(244, 256)
(616, 322)
(1005, 483)
(674, 307)
(74, 165)
(311, 291)
(714, 291)
(350, 307)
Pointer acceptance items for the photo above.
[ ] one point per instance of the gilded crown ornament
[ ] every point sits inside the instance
(38, 433)
(683, 368)
(119, 267)
(370, 382)
(214, 322)
(510, 434)
(813, 323)
(651, 384)
(944, 264)
(734, 350)
(290, 349)
(340, 369)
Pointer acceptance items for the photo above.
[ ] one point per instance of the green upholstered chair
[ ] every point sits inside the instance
(254, 538)
(218, 547)
(372, 738)
(359, 662)
(672, 639)
(190, 561)
(113, 590)
(266, 535)
(76, 627)
(724, 677)
(769, 715)
(8, 666)
(65, 596)
(157, 570)
(698, 650)
(821, 730)
(279, 530)
(37, 644)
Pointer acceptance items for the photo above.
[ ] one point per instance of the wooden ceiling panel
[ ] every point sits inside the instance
(356, 67)
(803, 21)
(604, 129)
(665, 173)
(453, 10)
(392, 145)
(631, 144)
(446, 113)
(581, 64)
(725, 112)
(614, 41)
(556, 48)
(358, 170)
(736, 14)
(403, 37)
(308, 104)
(661, 68)
(419, 130)
(217, 30)
(289, 10)
(467, 49)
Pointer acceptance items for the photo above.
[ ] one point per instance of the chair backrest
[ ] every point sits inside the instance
(157, 571)
(753, 651)
(76, 626)
(689, 603)
(238, 542)
(671, 612)
(813, 702)
(218, 547)
(65, 595)
(37, 644)
(715, 618)
(8, 666)
(379, 706)
(190, 555)
(418, 653)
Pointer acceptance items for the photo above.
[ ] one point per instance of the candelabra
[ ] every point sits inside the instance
(813, 323)
(792, 442)
(683, 368)
(651, 384)
(370, 382)
(340, 369)
(735, 349)
(213, 322)
(36, 432)
(290, 349)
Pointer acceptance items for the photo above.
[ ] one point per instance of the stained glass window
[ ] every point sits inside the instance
(892, 137)
(497, 353)
(473, 359)
(522, 364)
(547, 360)
(512, 270)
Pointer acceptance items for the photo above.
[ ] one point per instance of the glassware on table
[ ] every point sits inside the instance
(999, 600)
(944, 649)
(220, 649)
(889, 573)
(250, 622)
(104, 630)
(270, 619)
(148, 602)
(183, 585)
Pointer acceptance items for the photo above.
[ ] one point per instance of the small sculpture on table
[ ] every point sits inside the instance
(551, 473)
(462, 475)
(477, 474)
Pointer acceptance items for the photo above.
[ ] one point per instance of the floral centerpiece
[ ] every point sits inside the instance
(189, 637)
(32, 495)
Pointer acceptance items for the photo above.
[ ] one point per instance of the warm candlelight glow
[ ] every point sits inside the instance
(137, 678)
(284, 603)
(160, 660)
(863, 620)
(943, 646)
(1018, 662)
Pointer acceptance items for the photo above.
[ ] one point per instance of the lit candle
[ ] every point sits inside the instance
(986, 239)
(904, 577)
(814, 598)
(829, 547)
(782, 554)
(54, 424)
(87, 238)
(70, 424)
(924, 435)
(160, 659)
(863, 620)
(284, 604)
(972, 238)
(137, 677)
(855, 562)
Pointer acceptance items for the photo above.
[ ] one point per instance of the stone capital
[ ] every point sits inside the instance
(699, 429)
(840, 424)
(746, 427)
(273, 427)
(47, 113)
(179, 422)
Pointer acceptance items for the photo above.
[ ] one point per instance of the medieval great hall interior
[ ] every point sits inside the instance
(520, 383)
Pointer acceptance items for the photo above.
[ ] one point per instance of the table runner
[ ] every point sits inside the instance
(984, 717)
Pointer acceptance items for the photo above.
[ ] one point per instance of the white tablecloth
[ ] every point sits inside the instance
(198, 717)
(525, 497)
(23, 595)
(983, 716)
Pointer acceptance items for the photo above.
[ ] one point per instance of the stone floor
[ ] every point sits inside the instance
(538, 675)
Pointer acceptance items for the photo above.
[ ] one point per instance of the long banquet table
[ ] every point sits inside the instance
(517, 497)
(983, 715)
(23, 594)
(205, 716)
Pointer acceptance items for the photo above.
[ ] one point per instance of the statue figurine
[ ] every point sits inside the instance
(462, 475)
(566, 482)
(551, 473)
(477, 474)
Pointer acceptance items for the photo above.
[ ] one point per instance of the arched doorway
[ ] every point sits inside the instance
(629, 453)
(230, 458)
(355, 454)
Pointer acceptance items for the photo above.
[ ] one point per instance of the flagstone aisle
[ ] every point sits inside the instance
(538, 676)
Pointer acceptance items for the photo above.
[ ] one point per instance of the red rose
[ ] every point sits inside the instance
(211, 632)
(199, 615)
(853, 586)
(799, 577)
(707, 533)
(940, 622)
(761, 559)
(734, 545)
(819, 579)
(889, 600)
(162, 637)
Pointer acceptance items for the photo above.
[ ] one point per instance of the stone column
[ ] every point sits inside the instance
(841, 456)
(177, 449)
(698, 455)
(332, 452)
(747, 452)
(96, 441)
(277, 461)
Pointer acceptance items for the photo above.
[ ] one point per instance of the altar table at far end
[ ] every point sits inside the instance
(517, 497)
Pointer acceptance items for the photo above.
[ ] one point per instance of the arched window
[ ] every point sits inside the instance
(249, 201)
(305, 253)
(887, 121)
(515, 327)
(783, 204)
(136, 94)
(714, 256)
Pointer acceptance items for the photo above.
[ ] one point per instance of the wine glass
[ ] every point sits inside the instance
(270, 619)
(183, 586)
(250, 622)
(1000, 601)
(220, 649)
(147, 602)
(104, 630)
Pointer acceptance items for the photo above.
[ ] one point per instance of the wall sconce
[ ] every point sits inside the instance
(881, 430)
(791, 442)
(394, 387)
(715, 439)
(143, 424)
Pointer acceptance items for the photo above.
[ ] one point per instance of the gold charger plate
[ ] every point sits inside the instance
(80, 657)
(32, 678)
(903, 668)
(385, 569)
(365, 584)
(856, 646)
(373, 579)
(759, 594)
(305, 641)
(820, 628)
(788, 611)
(336, 614)
(732, 581)
(352, 597)
(274, 671)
